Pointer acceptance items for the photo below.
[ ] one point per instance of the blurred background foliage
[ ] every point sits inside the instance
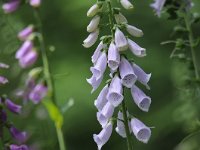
(173, 112)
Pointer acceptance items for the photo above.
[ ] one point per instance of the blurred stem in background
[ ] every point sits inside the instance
(50, 84)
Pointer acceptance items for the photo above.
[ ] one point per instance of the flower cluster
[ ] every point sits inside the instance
(123, 72)
(7, 104)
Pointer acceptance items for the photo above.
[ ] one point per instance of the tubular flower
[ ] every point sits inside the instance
(11, 6)
(25, 33)
(158, 6)
(124, 73)
(19, 136)
(12, 106)
(18, 147)
(35, 3)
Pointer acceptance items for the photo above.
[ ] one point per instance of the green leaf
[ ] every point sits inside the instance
(54, 113)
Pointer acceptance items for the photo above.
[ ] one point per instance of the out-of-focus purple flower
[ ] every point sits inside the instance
(101, 99)
(35, 3)
(100, 66)
(120, 129)
(19, 136)
(38, 93)
(141, 100)
(120, 40)
(158, 6)
(13, 107)
(91, 39)
(93, 24)
(115, 92)
(97, 52)
(127, 74)
(18, 147)
(113, 57)
(28, 59)
(103, 136)
(4, 66)
(3, 116)
(136, 49)
(142, 77)
(25, 33)
(140, 130)
(11, 6)
(24, 49)
(3, 80)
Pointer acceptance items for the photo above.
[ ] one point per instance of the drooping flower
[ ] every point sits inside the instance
(100, 66)
(25, 33)
(127, 74)
(91, 39)
(24, 49)
(142, 77)
(120, 129)
(113, 57)
(93, 10)
(140, 130)
(35, 3)
(11, 6)
(3, 80)
(97, 52)
(158, 6)
(140, 99)
(18, 147)
(38, 93)
(28, 59)
(136, 49)
(126, 4)
(103, 136)
(94, 82)
(93, 25)
(13, 107)
(120, 19)
(19, 136)
(120, 40)
(115, 92)
(101, 99)
(132, 30)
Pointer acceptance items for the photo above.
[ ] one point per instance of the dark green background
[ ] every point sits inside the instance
(64, 25)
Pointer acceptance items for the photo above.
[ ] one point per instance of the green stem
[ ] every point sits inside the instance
(48, 77)
(110, 17)
(191, 40)
(126, 124)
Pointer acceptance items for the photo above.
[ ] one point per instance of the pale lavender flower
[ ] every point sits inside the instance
(141, 100)
(158, 6)
(3, 80)
(120, 19)
(136, 49)
(100, 66)
(19, 136)
(97, 52)
(38, 93)
(93, 10)
(94, 82)
(132, 30)
(91, 39)
(18, 147)
(113, 57)
(101, 99)
(28, 59)
(120, 40)
(24, 49)
(103, 137)
(142, 77)
(4, 66)
(127, 74)
(93, 25)
(11, 6)
(115, 92)
(102, 119)
(126, 4)
(120, 129)
(13, 107)
(140, 130)
(25, 33)
(35, 3)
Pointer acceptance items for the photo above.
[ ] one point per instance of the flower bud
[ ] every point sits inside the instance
(126, 4)
(93, 24)
(93, 10)
(132, 30)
